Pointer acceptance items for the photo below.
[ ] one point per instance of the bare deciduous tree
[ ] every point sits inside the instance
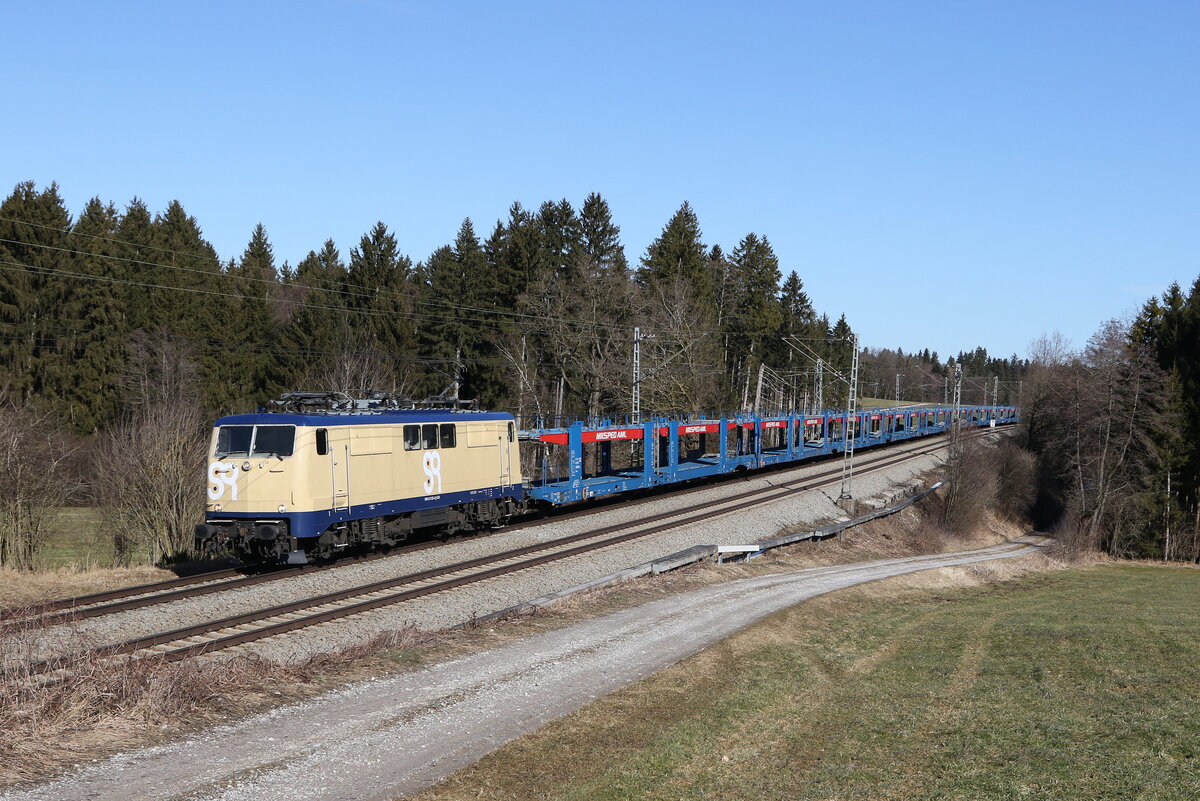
(514, 349)
(356, 369)
(971, 485)
(681, 368)
(1017, 473)
(149, 467)
(148, 474)
(34, 480)
(1096, 419)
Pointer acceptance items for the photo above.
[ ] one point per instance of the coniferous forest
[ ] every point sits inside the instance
(122, 325)
(541, 306)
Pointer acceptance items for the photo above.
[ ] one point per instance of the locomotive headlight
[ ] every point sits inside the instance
(246, 466)
(282, 508)
(216, 507)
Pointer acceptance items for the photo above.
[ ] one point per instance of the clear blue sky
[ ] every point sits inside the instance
(947, 174)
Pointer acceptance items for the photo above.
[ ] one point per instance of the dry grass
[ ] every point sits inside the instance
(106, 706)
(909, 532)
(23, 589)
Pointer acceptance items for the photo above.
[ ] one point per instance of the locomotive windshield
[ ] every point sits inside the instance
(255, 441)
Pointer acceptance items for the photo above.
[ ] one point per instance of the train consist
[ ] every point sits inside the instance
(293, 486)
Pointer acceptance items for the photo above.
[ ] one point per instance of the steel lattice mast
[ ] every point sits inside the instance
(957, 403)
(851, 413)
(819, 407)
(636, 400)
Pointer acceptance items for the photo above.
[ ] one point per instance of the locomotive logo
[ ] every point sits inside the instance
(220, 476)
(433, 473)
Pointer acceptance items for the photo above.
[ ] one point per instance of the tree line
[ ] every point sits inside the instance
(124, 325)
(537, 317)
(1116, 427)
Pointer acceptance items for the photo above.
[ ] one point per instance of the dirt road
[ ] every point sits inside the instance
(383, 739)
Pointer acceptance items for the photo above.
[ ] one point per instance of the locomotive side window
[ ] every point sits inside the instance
(511, 432)
(448, 435)
(322, 441)
(412, 438)
(429, 436)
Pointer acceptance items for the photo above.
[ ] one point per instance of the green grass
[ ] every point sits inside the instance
(1083, 684)
(78, 537)
(883, 403)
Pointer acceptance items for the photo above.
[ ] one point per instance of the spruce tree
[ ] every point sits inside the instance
(255, 373)
(92, 356)
(318, 324)
(514, 252)
(136, 230)
(561, 239)
(445, 331)
(513, 262)
(679, 253)
(33, 251)
(600, 238)
(798, 317)
(838, 354)
(380, 282)
(187, 265)
(757, 314)
(181, 312)
(461, 329)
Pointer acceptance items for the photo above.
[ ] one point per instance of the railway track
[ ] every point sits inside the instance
(124, 599)
(82, 607)
(243, 628)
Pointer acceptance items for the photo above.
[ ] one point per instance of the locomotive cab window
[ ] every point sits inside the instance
(429, 436)
(273, 441)
(234, 441)
(412, 438)
(322, 441)
(511, 432)
(448, 435)
(255, 441)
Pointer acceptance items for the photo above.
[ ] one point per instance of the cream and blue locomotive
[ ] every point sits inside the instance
(293, 487)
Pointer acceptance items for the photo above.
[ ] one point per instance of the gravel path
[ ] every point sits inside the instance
(449, 609)
(385, 738)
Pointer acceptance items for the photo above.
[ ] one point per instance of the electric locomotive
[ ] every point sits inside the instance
(292, 487)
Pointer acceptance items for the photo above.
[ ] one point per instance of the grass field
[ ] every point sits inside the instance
(76, 558)
(1082, 684)
(78, 538)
